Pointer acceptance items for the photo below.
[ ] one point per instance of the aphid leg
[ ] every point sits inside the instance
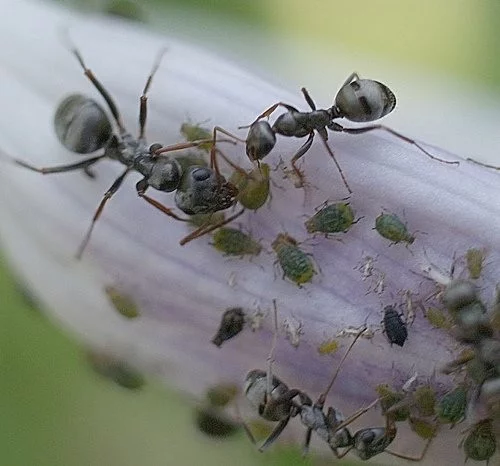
(366, 129)
(143, 105)
(61, 168)
(483, 164)
(141, 188)
(107, 195)
(267, 113)
(207, 228)
(97, 84)
(324, 138)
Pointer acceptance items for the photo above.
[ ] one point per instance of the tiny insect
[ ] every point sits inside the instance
(293, 331)
(480, 444)
(392, 228)
(393, 403)
(358, 100)
(459, 294)
(232, 323)
(424, 400)
(297, 266)
(394, 327)
(195, 132)
(83, 127)
(233, 242)
(116, 370)
(438, 318)
(475, 259)
(451, 407)
(332, 218)
(214, 423)
(253, 186)
(123, 303)
(424, 428)
(328, 346)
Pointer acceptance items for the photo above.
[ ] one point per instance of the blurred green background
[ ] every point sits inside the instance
(54, 409)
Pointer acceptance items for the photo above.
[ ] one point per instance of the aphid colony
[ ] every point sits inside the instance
(83, 127)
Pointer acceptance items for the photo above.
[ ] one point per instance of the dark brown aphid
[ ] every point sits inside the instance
(115, 370)
(232, 323)
(394, 327)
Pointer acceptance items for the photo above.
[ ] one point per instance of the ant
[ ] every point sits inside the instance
(358, 100)
(82, 126)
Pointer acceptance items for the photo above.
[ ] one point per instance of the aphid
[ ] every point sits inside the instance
(115, 370)
(424, 400)
(392, 403)
(328, 346)
(297, 266)
(437, 318)
(391, 227)
(233, 242)
(212, 422)
(293, 330)
(358, 100)
(394, 326)
(458, 294)
(332, 218)
(232, 323)
(123, 303)
(82, 126)
(480, 444)
(473, 323)
(193, 132)
(451, 406)
(475, 259)
(253, 186)
(221, 394)
(424, 428)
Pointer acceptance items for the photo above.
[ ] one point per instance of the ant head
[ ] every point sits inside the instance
(260, 140)
(203, 191)
(364, 100)
(165, 174)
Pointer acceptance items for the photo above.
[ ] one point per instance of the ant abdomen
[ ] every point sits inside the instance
(364, 100)
(81, 125)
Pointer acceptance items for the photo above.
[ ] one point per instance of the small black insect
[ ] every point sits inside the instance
(232, 323)
(394, 326)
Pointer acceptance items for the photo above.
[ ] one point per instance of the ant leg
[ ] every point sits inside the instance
(307, 441)
(331, 154)
(365, 129)
(356, 415)
(143, 106)
(61, 168)
(483, 164)
(413, 458)
(267, 113)
(341, 455)
(107, 195)
(352, 77)
(270, 357)
(274, 434)
(204, 229)
(97, 84)
(302, 150)
(308, 99)
(213, 159)
(185, 145)
(141, 187)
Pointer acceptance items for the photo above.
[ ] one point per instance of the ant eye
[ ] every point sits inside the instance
(154, 147)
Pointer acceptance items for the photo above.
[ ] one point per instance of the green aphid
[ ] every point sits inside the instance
(389, 399)
(123, 303)
(475, 259)
(333, 218)
(452, 406)
(198, 220)
(189, 158)
(116, 370)
(423, 428)
(253, 187)
(391, 227)
(127, 9)
(195, 133)
(424, 399)
(214, 423)
(234, 242)
(480, 444)
(438, 318)
(329, 346)
(297, 266)
(222, 394)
